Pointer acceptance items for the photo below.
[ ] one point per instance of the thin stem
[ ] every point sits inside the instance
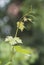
(16, 32)
(12, 54)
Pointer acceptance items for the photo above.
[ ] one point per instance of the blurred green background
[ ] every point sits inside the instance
(10, 12)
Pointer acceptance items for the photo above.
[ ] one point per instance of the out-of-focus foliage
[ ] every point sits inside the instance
(20, 56)
(33, 36)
